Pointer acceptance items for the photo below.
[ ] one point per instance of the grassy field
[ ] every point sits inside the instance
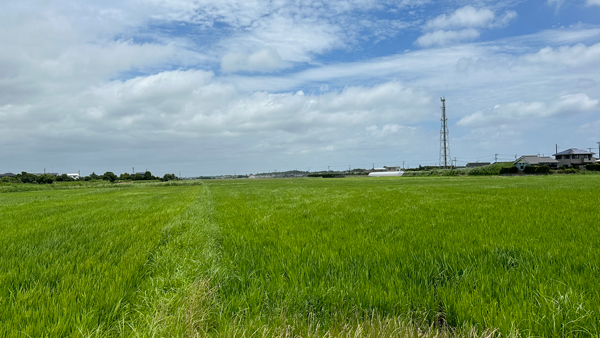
(306, 257)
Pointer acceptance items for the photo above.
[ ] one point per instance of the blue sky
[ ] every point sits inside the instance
(204, 87)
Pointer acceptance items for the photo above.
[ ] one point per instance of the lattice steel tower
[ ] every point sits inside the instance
(445, 159)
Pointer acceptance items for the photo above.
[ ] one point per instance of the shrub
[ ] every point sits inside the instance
(492, 169)
(593, 167)
(535, 169)
(511, 170)
(26, 177)
(46, 179)
(8, 179)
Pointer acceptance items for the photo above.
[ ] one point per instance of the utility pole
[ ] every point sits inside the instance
(44, 171)
(403, 164)
(598, 149)
(556, 150)
(444, 142)
(348, 167)
(495, 158)
(455, 163)
(132, 170)
(327, 168)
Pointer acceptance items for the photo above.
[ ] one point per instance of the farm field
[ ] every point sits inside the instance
(346, 257)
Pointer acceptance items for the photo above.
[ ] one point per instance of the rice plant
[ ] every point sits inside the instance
(385, 257)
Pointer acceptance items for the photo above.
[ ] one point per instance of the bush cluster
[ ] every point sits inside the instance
(511, 170)
(492, 169)
(537, 169)
(593, 167)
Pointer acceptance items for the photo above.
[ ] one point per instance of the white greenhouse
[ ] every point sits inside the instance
(386, 173)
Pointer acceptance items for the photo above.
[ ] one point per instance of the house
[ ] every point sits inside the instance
(574, 157)
(7, 175)
(528, 160)
(477, 164)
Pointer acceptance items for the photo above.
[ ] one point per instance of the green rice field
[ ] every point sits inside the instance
(352, 257)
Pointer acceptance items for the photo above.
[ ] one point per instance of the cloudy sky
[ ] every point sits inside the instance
(211, 87)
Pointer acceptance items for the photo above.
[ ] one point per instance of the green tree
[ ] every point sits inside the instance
(125, 176)
(94, 176)
(169, 177)
(64, 178)
(46, 179)
(27, 177)
(148, 175)
(109, 176)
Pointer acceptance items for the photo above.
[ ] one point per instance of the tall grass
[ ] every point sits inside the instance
(413, 257)
(71, 261)
(512, 254)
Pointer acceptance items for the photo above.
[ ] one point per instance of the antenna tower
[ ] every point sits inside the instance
(445, 159)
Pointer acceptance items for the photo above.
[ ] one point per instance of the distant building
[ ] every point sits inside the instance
(7, 175)
(574, 157)
(387, 168)
(386, 173)
(477, 164)
(528, 160)
(73, 176)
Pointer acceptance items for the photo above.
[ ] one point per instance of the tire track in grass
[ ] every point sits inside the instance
(178, 297)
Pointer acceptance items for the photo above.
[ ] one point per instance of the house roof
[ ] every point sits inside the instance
(574, 151)
(477, 164)
(534, 159)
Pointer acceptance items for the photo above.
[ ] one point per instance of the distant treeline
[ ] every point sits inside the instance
(25, 177)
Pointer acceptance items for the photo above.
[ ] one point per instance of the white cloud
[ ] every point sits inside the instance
(265, 59)
(195, 105)
(442, 37)
(556, 3)
(291, 39)
(467, 16)
(578, 55)
(593, 2)
(462, 25)
(516, 112)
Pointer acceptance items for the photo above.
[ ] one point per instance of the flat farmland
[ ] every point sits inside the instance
(516, 256)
